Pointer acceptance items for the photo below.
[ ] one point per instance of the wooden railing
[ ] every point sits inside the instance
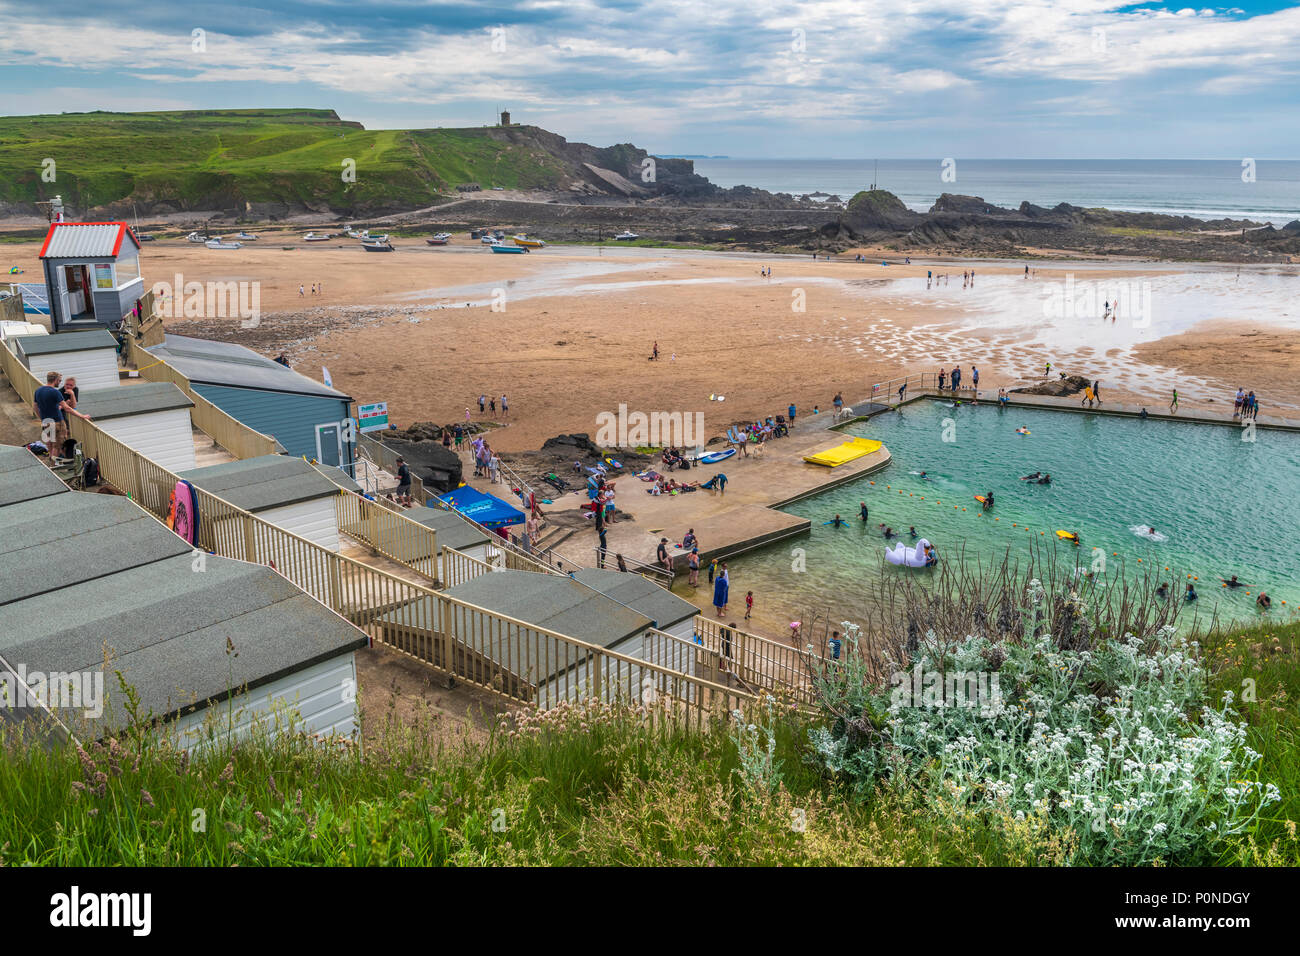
(760, 662)
(389, 533)
(230, 433)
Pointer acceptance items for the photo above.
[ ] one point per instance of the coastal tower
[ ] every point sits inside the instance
(505, 118)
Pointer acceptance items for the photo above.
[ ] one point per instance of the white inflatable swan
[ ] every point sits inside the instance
(909, 557)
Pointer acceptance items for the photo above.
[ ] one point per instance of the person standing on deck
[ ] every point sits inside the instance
(1173, 404)
(1096, 390)
(693, 562)
(974, 377)
(943, 377)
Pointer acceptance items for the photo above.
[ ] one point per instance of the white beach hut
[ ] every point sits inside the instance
(89, 357)
(153, 418)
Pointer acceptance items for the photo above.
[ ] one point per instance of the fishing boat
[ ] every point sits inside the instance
(626, 234)
(489, 241)
(246, 236)
(369, 238)
(315, 237)
(195, 237)
(375, 245)
(522, 240)
(219, 243)
(502, 247)
(435, 241)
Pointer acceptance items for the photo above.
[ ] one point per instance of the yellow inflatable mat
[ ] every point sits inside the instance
(851, 450)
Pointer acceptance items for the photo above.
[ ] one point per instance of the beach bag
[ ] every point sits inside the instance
(89, 473)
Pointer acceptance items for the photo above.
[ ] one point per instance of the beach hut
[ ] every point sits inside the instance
(92, 273)
(286, 492)
(453, 531)
(153, 418)
(304, 416)
(112, 591)
(89, 357)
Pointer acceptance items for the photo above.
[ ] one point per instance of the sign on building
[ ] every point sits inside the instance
(373, 418)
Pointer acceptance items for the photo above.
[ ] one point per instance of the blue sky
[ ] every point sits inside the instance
(758, 78)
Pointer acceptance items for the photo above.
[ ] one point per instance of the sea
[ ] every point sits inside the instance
(1266, 191)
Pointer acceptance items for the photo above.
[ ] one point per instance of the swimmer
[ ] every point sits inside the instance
(924, 476)
(1264, 601)
(1072, 538)
(912, 531)
(889, 533)
(1232, 582)
(862, 511)
(988, 501)
(837, 521)
(1034, 477)
(1045, 480)
(1190, 594)
(1162, 592)
(1022, 430)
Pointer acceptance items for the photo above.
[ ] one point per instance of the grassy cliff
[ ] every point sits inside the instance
(252, 161)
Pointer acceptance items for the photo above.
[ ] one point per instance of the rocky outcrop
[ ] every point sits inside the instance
(1064, 386)
(436, 466)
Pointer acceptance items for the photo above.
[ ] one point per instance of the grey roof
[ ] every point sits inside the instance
(118, 401)
(165, 626)
(267, 481)
(640, 594)
(86, 240)
(82, 575)
(552, 601)
(338, 476)
(450, 529)
(224, 363)
(66, 342)
(23, 477)
(61, 540)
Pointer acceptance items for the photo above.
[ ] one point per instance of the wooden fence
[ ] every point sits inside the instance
(760, 662)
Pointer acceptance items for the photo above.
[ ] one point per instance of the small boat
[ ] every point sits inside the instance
(522, 240)
(315, 237)
(442, 235)
(195, 237)
(374, 245)
(502, 247)
(499, 233)
(489, 241)
(368, 238)
(246, 236)
(626, 234)
(219, 243)
(436, 241)
(144, 237)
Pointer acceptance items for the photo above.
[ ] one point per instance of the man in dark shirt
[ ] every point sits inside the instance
(52, 409)
(403, 478)
(662, 554)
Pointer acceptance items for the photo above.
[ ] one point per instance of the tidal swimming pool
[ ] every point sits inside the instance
(1222, 501)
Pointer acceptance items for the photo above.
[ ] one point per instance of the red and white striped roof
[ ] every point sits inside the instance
(86, 240)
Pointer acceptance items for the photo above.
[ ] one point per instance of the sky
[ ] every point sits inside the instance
(743, 78)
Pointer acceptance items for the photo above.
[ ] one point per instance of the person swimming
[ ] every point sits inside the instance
(1045, 480)
(924, 476)
(1022, 430)
(1190, 594)
(1072, 538)
(988, 501)
(837, 522)
(1264, 601)
(890, 533)
(912, 531)
(1233, 582)
(1162, 592)
(1034, 477)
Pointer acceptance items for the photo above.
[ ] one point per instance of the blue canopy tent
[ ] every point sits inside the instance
(487, 510)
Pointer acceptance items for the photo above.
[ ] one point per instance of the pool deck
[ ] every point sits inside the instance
(745, 517)
(1156, 411)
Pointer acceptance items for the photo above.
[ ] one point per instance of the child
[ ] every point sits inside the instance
(713, 568)
(749, 604)
(835, 645)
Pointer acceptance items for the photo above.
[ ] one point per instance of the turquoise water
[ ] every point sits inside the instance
(1222, 505)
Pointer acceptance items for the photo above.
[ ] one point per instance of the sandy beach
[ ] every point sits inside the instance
(566, 332)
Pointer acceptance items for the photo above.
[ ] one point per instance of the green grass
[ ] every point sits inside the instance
(219, 157)
(602, 786)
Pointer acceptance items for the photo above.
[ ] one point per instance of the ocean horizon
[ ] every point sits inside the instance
(1205, 189)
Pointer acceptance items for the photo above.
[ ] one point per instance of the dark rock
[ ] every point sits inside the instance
(1069, 385)
(437, 467)
(571, 445)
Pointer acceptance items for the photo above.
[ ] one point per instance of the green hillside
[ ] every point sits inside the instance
(225, 159)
